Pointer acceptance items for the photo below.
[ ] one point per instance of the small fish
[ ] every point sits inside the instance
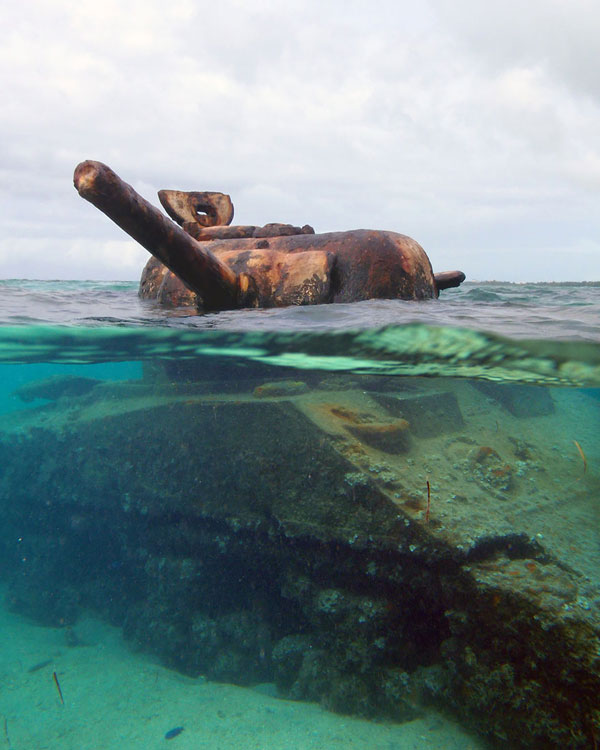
(173, 733)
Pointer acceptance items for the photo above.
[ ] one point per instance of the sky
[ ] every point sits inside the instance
(473, 127)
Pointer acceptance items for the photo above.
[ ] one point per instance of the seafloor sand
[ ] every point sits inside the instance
(118, 699)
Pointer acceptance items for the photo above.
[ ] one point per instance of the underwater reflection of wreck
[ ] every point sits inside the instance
(200, 260)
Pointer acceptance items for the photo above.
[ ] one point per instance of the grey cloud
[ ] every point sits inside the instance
(560, 36)
(462, 129)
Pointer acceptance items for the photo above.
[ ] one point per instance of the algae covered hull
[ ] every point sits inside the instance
(256, 524)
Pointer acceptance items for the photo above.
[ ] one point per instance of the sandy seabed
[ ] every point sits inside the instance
(116, 698)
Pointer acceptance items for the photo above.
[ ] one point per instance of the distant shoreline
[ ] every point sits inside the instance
(539, 283)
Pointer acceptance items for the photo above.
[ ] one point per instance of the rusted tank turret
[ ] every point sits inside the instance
(200, 259)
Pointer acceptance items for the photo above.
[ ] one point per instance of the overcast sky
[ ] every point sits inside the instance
(472, 126)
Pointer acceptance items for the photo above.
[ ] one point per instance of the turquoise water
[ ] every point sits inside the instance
(14, 376)
(389, 509)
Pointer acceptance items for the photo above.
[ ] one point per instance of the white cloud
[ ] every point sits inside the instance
(450, 122)
(79, 258)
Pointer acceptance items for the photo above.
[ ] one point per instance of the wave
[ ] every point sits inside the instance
(413, 350)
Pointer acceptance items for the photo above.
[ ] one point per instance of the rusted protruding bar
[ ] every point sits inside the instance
(448, 279)
(215, 283)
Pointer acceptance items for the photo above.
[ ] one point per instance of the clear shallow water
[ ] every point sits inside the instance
(537, 333)
(139, 446)
(568, 312)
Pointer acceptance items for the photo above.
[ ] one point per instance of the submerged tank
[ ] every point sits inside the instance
(200, 259)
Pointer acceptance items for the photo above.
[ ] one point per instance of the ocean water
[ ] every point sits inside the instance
(386, 512)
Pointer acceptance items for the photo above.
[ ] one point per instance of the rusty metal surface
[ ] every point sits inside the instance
(374, 264)
(330, 267)
(448, 279)
(214, 266)
(210, 278)
(206, 209)
(243, 231)
(284, 278)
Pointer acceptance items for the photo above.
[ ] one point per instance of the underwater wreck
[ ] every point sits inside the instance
(379, 545)
(374, 544)
(199, 259)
